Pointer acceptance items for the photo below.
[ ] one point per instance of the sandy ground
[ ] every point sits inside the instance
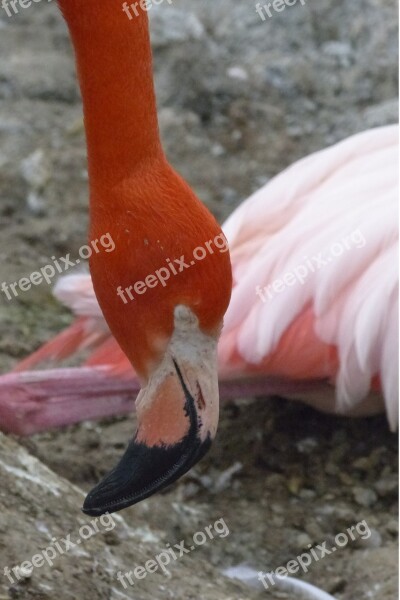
(239, 100)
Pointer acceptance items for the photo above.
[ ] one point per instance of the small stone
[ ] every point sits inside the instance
(237, 73)
(277, 508)
(36, 203)
(314, 531)
(35, 169)
(294, 484)
(374, 540)
(23, 573)
(364, 496)
(307, 494)
(75, 127)
(331, 469)
(303, 540)
(363, 463)
(111, 538)
(340, 51)
(346, 479)
(225, 478)
(386, 486)
(329, 497)
(217, 150)
(393, 527)
(307, 445)
(334, 48)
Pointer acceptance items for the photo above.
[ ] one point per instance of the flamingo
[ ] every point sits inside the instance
(170, 334)
(336, 326)
(327, 337)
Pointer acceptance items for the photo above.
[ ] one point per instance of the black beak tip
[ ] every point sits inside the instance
(144, 470)
(90, 510)
(141, 472)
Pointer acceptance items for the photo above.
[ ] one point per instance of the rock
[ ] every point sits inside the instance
(374, 540)
(35, 169)
(386, 486)
(364, 496)
(303, 540)
(48, 510)
(342, 51)
(237, 72)
(393, 527)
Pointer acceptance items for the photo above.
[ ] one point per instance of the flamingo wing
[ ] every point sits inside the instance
(89, 332)
(320, 242)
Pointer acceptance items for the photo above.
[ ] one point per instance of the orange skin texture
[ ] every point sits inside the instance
(157, 217)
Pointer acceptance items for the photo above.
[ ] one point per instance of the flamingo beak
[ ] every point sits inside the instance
(178, 418)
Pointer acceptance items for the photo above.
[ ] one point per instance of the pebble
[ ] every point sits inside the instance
(35, 169)
(36, 203)
(331, 469)
(303, 540)
(346, 479)
(364, 496)
(22, 573)
(224, 479)
(307, 494)
(342, 52)
(277, 508)
(334, 48)
(393, 527)
(237, 73)
(294, 484)
(307, 445)
(386, 486)
(314, 531)
(363, 463)
(373, 541)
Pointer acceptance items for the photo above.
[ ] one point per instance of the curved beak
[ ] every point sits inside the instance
(178, 418)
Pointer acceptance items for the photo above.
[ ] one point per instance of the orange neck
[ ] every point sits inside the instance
(114, 63)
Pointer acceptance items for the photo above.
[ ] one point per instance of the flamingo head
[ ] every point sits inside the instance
(170, 335)
(178, 417)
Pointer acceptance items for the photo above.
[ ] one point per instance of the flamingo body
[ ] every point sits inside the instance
(337, 323)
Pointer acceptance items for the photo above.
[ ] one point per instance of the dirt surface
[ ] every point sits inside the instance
(239, 100)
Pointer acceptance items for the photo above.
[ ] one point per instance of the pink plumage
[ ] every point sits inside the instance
(339, 205)
(314, 256)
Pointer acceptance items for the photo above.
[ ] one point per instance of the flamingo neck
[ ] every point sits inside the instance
(114, 63)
